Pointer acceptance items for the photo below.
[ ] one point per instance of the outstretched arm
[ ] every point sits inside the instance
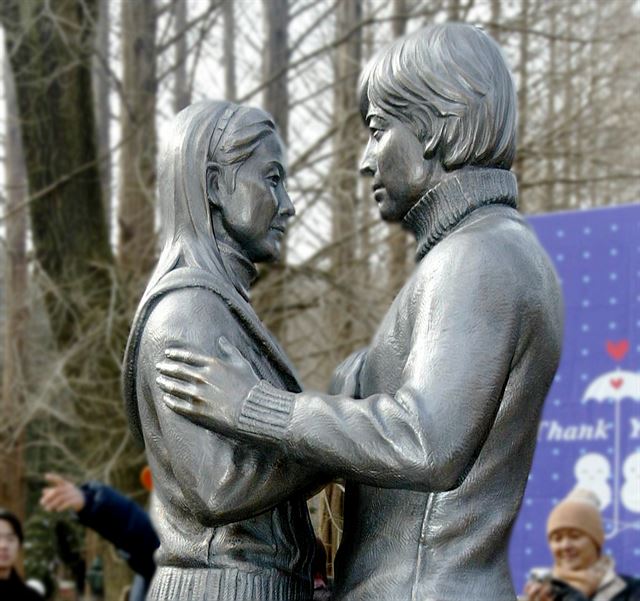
(428, 434)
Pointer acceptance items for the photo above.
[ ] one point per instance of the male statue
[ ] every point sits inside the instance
(434, 424)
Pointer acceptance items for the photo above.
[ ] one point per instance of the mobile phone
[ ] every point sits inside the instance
(539, 575)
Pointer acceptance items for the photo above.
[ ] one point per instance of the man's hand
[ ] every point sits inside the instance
(538, 591)
(60, 495)
(206, 390)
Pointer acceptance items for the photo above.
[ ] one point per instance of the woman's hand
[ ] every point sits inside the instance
(206, 390)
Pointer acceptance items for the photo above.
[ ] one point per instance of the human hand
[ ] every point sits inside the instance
(61, 494)
(206, 390)
(346, 377)
(538, 591)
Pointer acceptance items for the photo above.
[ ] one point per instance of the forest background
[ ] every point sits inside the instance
(88, 87)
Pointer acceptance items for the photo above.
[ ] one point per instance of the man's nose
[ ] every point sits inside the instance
(368, 163)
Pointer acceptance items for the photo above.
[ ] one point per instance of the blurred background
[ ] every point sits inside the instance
(87, 89)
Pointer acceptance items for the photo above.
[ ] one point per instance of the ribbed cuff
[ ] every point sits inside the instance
(266, 411)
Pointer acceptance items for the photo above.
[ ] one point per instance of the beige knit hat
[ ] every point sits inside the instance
(578, 510)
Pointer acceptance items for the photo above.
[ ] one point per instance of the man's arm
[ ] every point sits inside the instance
(426, 436)
(223, 480)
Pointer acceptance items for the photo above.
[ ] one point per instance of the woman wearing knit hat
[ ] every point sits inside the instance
(580, 571)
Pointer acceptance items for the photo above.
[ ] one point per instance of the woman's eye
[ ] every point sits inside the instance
(274, 179)
(376, 133)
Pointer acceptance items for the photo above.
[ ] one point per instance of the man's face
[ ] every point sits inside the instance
(9, 547)
(572, 549)
(394, 157)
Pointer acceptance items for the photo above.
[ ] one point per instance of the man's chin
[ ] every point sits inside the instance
(390, 214)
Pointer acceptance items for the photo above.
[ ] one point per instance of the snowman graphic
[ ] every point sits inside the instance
(630, 491)
(592, 472)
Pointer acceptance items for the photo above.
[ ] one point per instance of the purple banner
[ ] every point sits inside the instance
(590, 430)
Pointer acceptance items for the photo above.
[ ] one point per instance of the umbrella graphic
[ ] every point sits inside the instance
(614, 387)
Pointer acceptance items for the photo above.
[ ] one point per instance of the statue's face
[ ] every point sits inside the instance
(256, 212)
(394, 157)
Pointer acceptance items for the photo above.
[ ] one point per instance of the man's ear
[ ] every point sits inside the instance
(213, 183)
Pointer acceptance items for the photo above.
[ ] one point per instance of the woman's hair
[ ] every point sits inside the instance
(204, 134)
(451, 84)
(7, 516)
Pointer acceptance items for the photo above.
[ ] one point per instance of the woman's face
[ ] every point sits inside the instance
(9, 547)
(255, 213)
(573, 549)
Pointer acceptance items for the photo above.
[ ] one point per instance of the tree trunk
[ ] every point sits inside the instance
(181, 94)
(344, 213)
(101, 93)
(12, 484)
(229, 50)
(138, 153)
(50, 58)
(523, 71)
(276, 102)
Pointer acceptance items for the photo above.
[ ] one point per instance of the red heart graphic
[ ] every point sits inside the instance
(617, 350)
(616, 382)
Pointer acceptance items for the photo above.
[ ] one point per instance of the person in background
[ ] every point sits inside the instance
(580, 570)
(321, 587)
(113, 516)
(12, 588)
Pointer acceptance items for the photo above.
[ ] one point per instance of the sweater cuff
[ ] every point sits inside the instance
(266, 411)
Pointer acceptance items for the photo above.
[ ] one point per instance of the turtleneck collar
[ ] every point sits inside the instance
(443, 207)
(241, 271)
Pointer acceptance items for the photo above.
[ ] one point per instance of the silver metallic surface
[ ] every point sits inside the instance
(434, 424)
(232, 518)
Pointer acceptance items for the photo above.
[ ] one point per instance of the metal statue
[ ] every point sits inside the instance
(231, 517)
(434, 424)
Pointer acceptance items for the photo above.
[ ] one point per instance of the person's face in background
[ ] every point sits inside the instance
(9, 548)
(573, 549)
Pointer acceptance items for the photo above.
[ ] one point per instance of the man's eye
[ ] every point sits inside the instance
(274, 179)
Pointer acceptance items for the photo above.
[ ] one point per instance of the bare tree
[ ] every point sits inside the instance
(12, 435)
(182, 93)
(136, 244)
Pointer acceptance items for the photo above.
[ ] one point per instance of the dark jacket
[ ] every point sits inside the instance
(14, 589)
(123, 523)
(631, 591)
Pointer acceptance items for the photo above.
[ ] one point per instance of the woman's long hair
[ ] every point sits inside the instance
(209, 132)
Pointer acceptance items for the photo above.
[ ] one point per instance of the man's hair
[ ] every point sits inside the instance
(13, 520)
(451, 83)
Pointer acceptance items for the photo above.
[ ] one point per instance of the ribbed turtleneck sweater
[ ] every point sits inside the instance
(443, 207)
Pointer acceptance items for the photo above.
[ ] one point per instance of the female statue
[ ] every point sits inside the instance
(231, 518)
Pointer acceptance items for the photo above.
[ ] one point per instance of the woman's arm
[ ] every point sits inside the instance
(224, 480)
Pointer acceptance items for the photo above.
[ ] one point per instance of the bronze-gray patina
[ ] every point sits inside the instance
(231, 517)
(434, 424)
